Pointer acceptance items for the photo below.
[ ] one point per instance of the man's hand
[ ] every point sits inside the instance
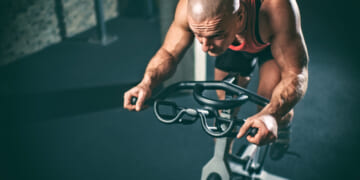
(267, 129)
(141, 92)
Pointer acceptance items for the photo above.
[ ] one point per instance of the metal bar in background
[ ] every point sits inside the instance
(59, 11)
(199, 62)
(101, 37)
(99, 13)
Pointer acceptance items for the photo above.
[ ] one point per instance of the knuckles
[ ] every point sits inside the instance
(265, 135)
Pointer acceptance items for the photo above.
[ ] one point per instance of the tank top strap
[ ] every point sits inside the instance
(252, 41)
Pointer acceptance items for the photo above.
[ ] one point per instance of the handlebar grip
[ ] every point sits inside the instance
(133, 100)
(252, 132)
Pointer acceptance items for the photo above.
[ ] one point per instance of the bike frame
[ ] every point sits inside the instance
(225, 166)
(222, 166)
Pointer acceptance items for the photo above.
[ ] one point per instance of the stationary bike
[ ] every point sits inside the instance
(218, 121)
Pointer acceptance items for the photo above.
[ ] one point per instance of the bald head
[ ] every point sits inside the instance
(200, 10)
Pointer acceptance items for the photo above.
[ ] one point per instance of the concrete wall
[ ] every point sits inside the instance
(27, 26)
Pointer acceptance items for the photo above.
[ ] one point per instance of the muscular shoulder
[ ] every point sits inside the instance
(180, 18)
(278, 16)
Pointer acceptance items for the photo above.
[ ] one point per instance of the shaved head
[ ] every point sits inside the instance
(215, 23)
(200, 10)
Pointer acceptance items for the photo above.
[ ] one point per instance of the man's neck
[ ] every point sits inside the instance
(239, 38)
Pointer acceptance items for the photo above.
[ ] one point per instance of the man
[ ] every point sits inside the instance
(239, 32)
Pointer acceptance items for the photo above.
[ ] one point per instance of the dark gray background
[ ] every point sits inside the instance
(62, 116)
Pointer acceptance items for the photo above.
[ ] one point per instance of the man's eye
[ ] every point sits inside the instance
(220, 36)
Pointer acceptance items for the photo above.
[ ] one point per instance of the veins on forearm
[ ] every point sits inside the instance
(160, 68)
(289, 91)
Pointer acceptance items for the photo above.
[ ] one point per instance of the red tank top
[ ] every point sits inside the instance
(251, 42)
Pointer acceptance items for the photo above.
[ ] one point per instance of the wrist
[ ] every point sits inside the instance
(282, 121)
(271, 111)
(270, 122)
(149, 81)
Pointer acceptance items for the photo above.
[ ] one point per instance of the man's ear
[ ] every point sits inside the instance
(240, 13)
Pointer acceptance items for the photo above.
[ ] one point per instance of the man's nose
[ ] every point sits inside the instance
(205, 44)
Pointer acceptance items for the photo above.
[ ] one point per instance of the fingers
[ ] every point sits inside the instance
(263, 135)
(261, 138)
(140, 101)
(141, 93)
(244, 128)
(258, 138)
(127, 99)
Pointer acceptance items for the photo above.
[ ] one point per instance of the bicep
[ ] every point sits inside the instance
(289, 51)
(288, 44)
(177, 41)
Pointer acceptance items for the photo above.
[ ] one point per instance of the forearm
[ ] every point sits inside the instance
(286, 94)
(161, 67)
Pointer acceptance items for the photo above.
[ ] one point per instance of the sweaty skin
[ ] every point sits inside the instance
(219, 23)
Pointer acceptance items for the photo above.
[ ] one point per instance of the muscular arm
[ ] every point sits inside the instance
(177, 40)
(163, 64)
(279, 24)
(290, 53)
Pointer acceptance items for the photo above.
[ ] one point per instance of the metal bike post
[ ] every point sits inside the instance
(218, 166)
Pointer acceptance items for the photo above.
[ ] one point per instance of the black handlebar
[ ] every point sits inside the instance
(211, 106)
(133, 100)
(242, 94)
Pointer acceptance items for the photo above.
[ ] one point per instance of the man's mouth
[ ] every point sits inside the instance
(213, 53)
(212, 50)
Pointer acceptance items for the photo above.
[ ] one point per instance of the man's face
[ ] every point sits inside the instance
(215, 34)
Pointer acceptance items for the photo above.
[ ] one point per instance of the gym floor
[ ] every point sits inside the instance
(62, 116)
